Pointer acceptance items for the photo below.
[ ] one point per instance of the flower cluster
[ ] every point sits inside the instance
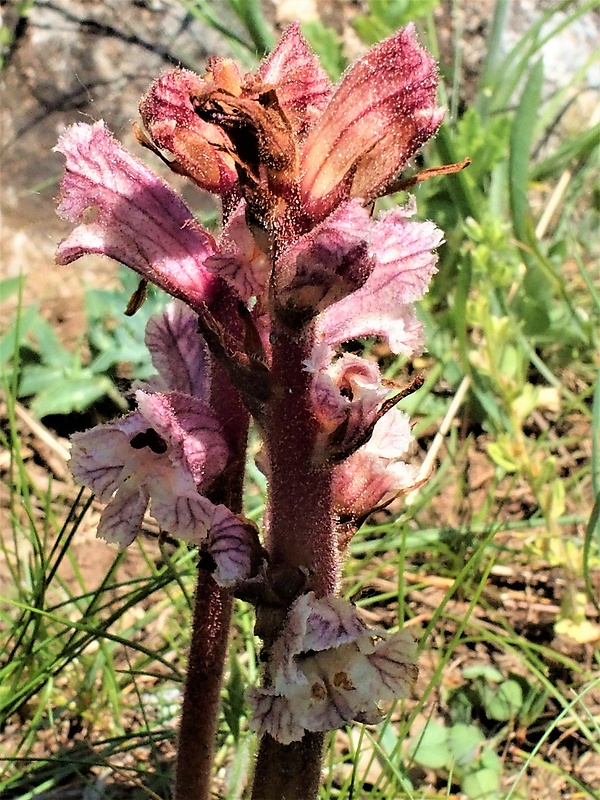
(300, 267)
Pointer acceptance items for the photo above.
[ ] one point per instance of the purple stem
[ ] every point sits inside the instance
(300, 519)
(301, 534)
(202, 694)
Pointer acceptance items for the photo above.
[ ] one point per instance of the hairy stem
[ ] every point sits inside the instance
(300, 521)
(200, 711)
(288, 772)
(301, 536)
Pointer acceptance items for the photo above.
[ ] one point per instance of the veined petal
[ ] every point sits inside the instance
(165, 453)
(186, 516)
(138, 220)
(191, 430)
(239, 261)
(405, 263)
(274, 714)
(302, 85)
(375, 474)
(179, 353)
(381, 114)
(233, 543)
(346, 393)
(328, 668)
(99, 456)
(121, 520)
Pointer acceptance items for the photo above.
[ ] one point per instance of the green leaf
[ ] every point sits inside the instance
(486, 671)
(505, 703)
(483, 784)
(387, 16)
(10, 286)
(15, 336)
(50, 348)
(64, 396)
(431, 749)
(573, 148)
(464, 742)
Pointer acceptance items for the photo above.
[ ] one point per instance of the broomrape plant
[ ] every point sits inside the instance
(300, 267)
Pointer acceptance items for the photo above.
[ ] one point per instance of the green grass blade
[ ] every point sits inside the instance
(520, 148)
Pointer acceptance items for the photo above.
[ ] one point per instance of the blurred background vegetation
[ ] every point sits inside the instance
(494, 562)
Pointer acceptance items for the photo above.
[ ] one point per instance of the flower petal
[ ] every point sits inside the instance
(121, 520)
(239, 261)
(273, 713)
(139, 220)
(326, 264)
(99, 456)
(393, 660)
(233, 543)
(303, 88)
(405, 263)
(374, 474)
(185, 516)
(346, 394)
(191, 430)
(328, 668)
(381, 114)
(179, 353)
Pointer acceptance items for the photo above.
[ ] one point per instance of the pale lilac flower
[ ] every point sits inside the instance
(167, 454)
(403, 253)
(347, 394)
(327, 668)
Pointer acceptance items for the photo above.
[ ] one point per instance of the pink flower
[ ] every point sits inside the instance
(376, 473)
(306, 160)
(347, 394)
(328, 668)
(382, 112)
(197, 148)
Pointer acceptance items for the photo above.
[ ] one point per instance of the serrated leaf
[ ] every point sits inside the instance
(50, 347)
